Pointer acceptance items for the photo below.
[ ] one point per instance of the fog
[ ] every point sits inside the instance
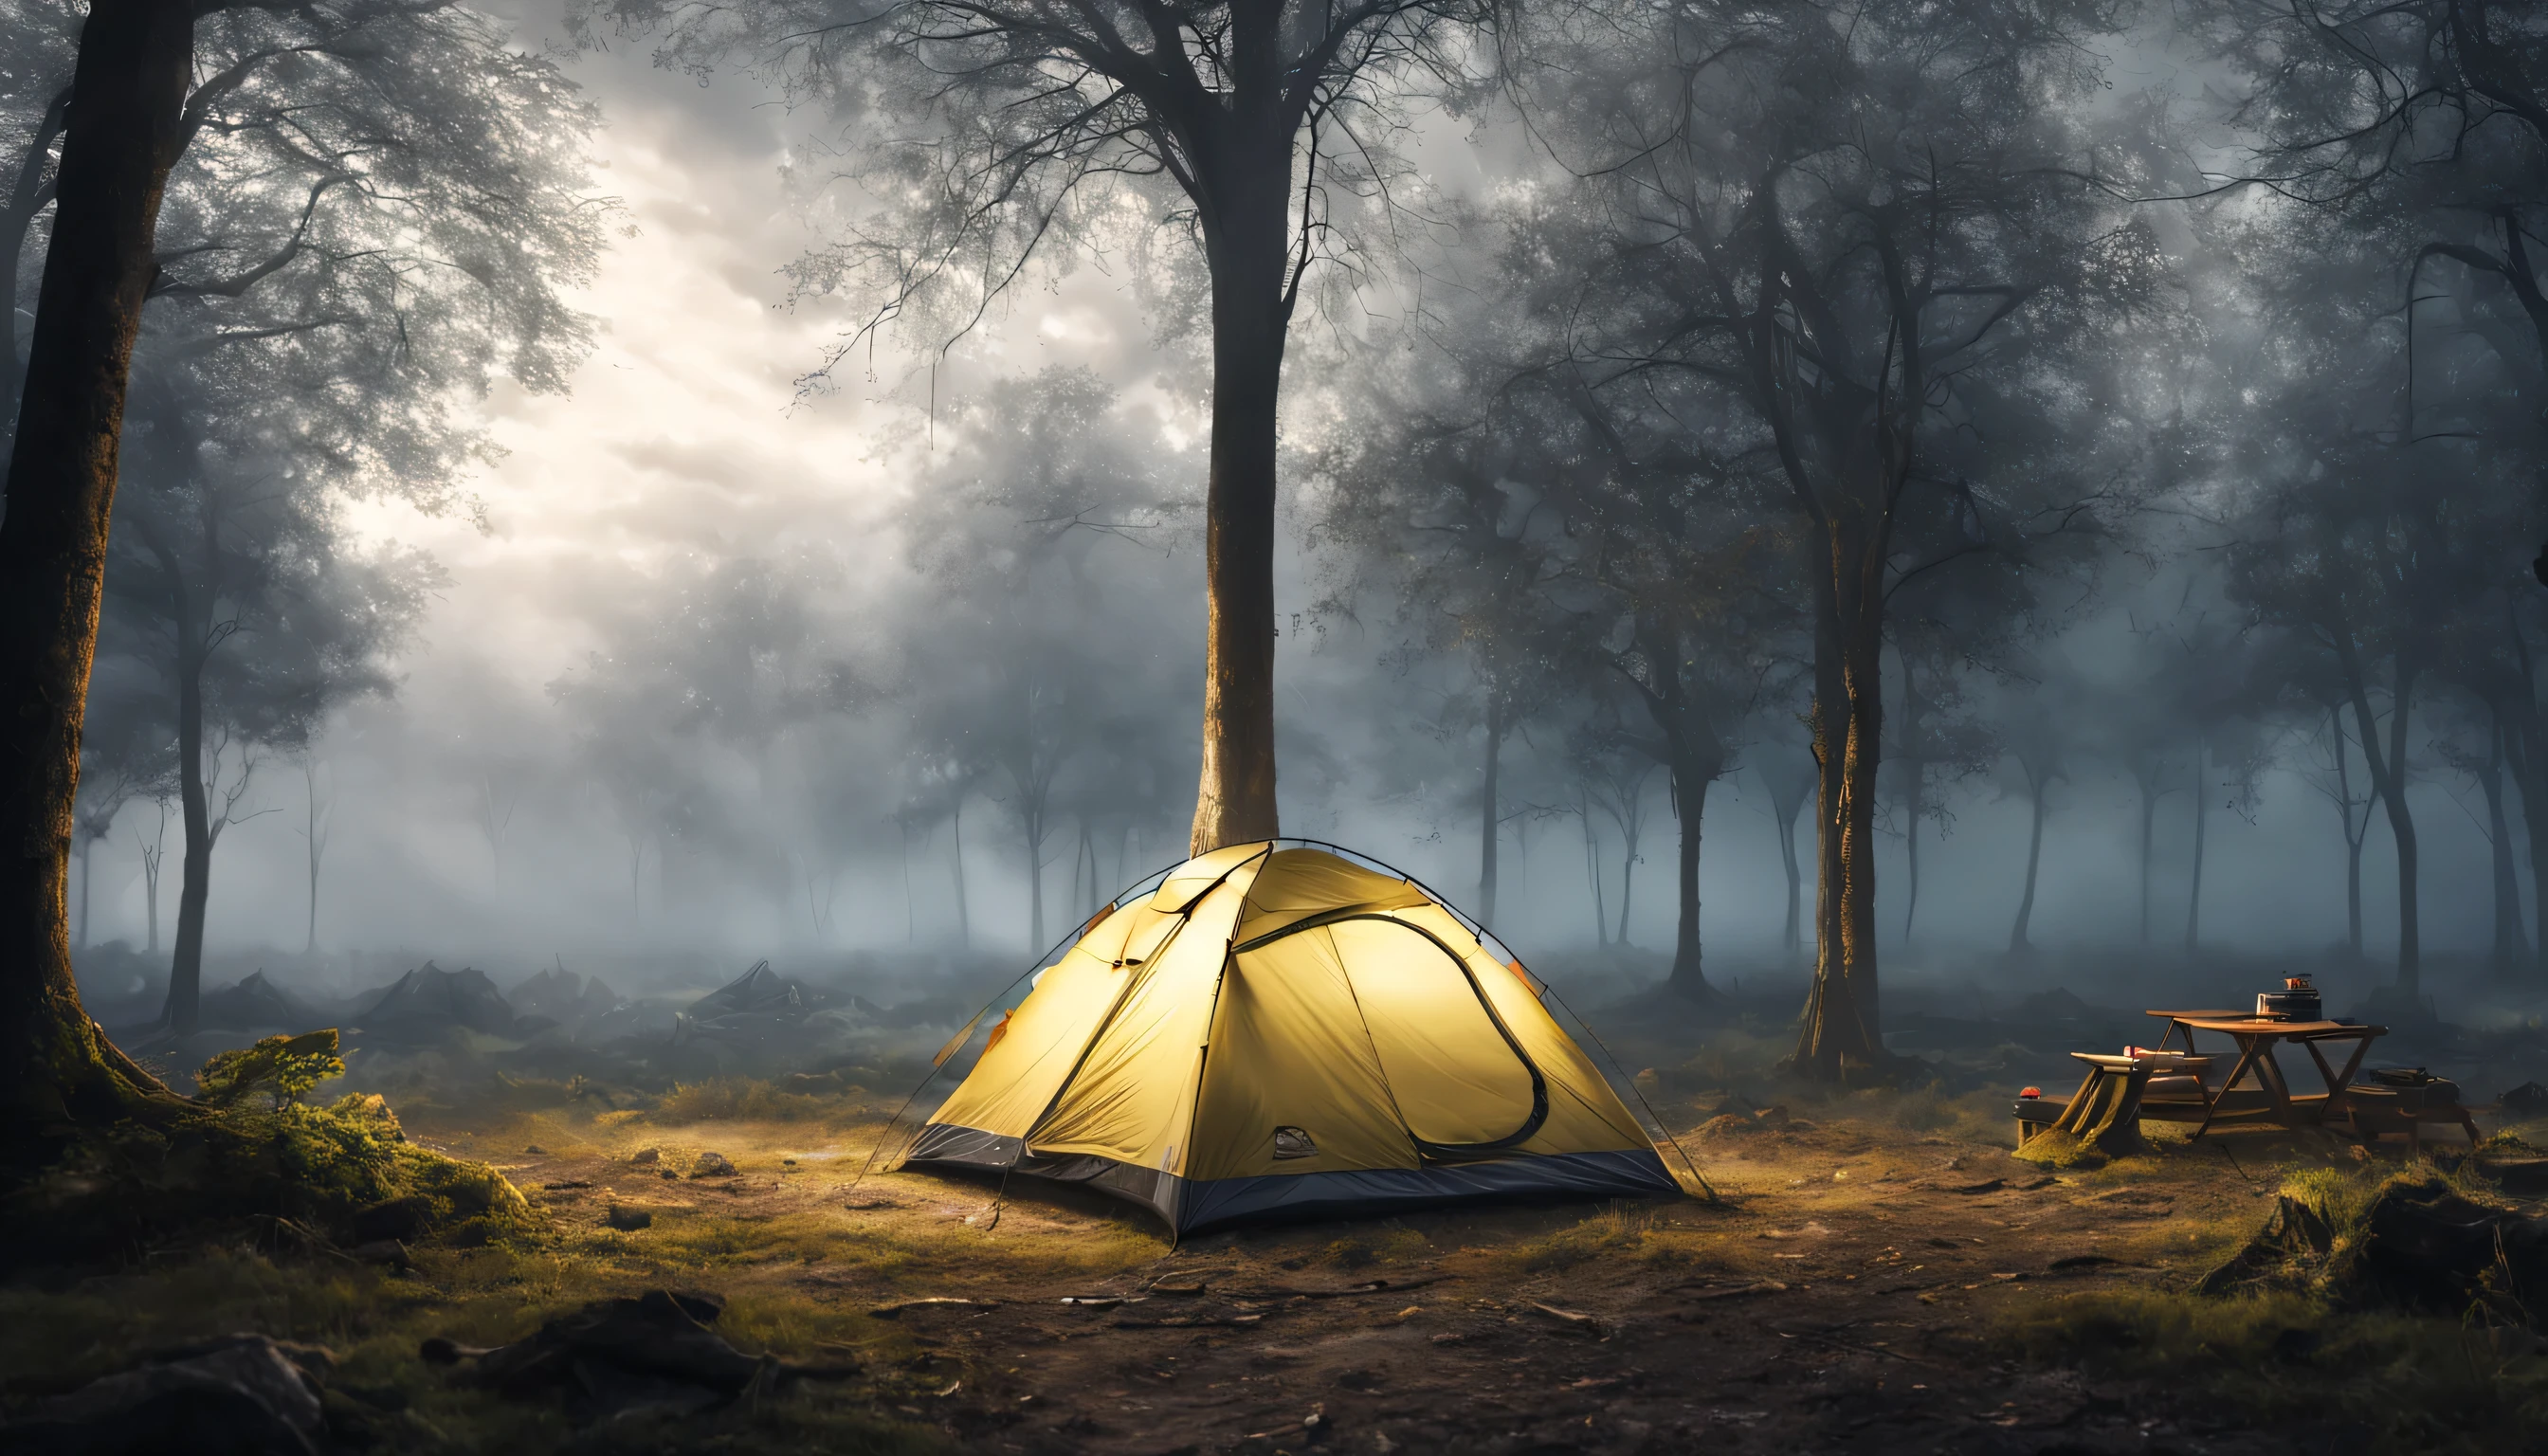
(899, 672)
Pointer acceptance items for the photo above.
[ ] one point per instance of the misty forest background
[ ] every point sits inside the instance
(537, 546)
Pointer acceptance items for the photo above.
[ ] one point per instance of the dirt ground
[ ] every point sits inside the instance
(1836, 1299)
(1882, 1276)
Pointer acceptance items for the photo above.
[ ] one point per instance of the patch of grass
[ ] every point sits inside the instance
(1621, 1229)
(1732, 1058)
(1979, 1116)
(1392, 1243)
(53, 1340)
(2416, 1383)
(730, 1099)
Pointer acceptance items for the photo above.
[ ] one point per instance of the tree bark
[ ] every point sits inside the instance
(27, 199)
(2353, 892)
(2354, 834)
(1593, 875)
(1690, 778)
(2018, 945)
(2388, 763)
(88, 881)
(2202, 818)
(963, 911)
(2528, 757)
(1627, 886)
(2525, 749)
(1794, 936)
(1033, 830)
(1490, 819)
(1914, 773)
(1843, 1013)
(150, 900)
(2510, 949)
(2150, 811)
(317, 849)
(128, 93)
(1251, 310)
(194, 639)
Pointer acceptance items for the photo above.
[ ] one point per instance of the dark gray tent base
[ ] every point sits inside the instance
(1191, 1208)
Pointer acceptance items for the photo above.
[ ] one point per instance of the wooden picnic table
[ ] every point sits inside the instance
(2256, 1036)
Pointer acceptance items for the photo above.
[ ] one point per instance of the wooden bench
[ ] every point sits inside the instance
(2117, 1093)
(2375, 1108)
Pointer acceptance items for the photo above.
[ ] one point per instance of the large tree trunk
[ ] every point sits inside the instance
(1913, 773)
(1691, 775)
(1794, 935)
(2354, 834)
(27, 199)
(2353, 890)
(2524, 753)
(2150, 811)
(1627, 886)
(1843, 1014)
(1034, 827)
(2525, 749)
(2510, 949)
(2535, 823)
(2202, 818)
(150, 903)
(88, 883)
(1250, 312)
(2388, 763)
(1593, 875)
(2018, 945)
(195, 875)
(1489, 818)
(2402, 826)
(963, 910)
(128, 92)
(317, 849)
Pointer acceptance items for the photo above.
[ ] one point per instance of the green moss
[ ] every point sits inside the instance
(2055, 1148)
(57, 1340)
(293, 1172)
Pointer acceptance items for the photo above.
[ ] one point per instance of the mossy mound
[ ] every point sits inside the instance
(343, 1174)
(2415, 1242)
(2051, 1148)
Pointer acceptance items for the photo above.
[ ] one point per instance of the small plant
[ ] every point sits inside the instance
(284, 1068)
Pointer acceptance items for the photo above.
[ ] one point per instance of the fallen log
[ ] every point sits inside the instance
(898, 1307)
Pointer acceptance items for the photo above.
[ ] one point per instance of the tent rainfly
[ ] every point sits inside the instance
(1280, 1033)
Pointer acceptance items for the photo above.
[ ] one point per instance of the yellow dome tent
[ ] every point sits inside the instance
(1276, 1033)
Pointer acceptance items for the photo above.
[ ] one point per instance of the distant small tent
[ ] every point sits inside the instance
(429, 1000)
(256, 1004)
(563, 996)
(759, 991)
(1277, 1033)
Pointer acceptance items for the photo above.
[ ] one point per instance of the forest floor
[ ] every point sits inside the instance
(1878, 1275)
